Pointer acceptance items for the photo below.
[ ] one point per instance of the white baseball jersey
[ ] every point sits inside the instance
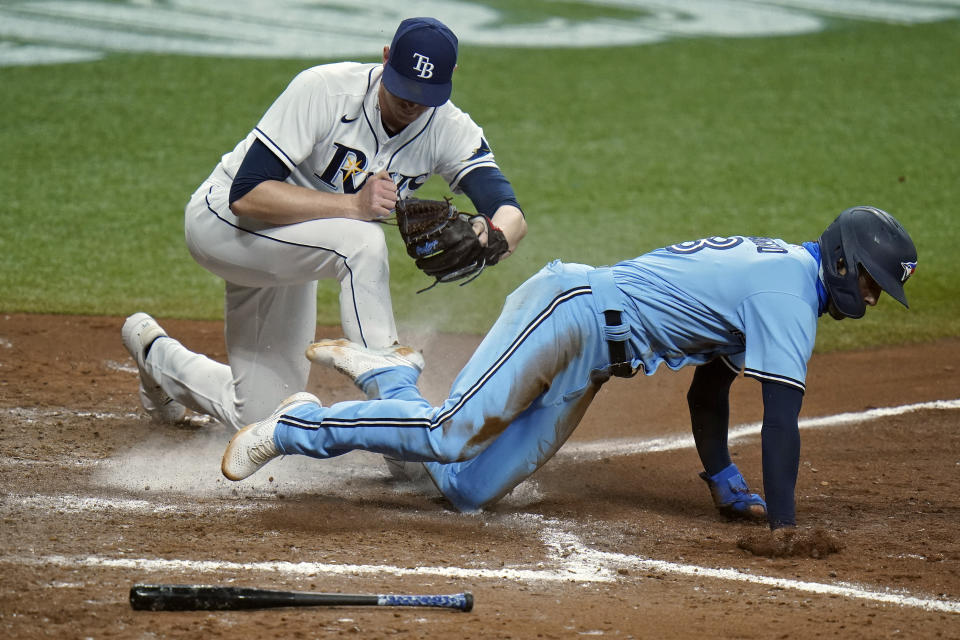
(326, 128)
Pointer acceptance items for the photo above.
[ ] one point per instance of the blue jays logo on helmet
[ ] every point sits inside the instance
(908, 269)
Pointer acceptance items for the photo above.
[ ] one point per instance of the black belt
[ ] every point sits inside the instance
(620, 365)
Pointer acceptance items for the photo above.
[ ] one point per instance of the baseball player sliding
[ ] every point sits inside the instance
(295, 202)
(721, 304)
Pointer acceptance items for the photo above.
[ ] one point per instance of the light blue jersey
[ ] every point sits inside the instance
(751, 301)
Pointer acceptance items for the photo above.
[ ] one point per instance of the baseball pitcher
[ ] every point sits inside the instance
(297, 200)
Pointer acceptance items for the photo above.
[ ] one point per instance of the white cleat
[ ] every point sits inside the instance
(253, 446)
(140, 330)
(354, 360)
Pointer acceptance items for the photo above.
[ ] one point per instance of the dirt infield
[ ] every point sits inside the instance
(616, 537)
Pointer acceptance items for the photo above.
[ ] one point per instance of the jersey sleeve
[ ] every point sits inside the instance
(461, 148)
(296, 119)
(488, 190)
(780, 330)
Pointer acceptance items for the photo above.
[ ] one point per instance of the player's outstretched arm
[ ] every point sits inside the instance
(780, 438)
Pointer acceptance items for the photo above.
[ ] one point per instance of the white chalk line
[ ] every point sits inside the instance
(573, 548)
(630, 446)
(295, 569)
(31, 414)
(80, 504)
(576, 562)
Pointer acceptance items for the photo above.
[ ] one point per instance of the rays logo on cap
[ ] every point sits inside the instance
(908, 269)
(423, 67)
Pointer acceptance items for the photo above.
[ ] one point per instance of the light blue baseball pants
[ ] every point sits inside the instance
(513, 405)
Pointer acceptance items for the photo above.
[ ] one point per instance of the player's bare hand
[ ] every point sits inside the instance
(480, 228)
(377, 197)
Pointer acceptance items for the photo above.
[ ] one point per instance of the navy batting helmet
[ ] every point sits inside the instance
(870, 239)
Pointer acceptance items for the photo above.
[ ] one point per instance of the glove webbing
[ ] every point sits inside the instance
(483, 265)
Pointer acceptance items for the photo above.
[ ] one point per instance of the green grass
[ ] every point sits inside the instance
(612, 152)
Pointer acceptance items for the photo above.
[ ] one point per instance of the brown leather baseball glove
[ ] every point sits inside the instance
(444, 242)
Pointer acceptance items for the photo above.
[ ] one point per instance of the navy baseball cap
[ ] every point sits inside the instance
(422, 57)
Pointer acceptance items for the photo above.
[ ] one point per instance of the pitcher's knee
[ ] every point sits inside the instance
(369, 250)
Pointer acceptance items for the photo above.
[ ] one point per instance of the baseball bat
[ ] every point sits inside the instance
(198, 597)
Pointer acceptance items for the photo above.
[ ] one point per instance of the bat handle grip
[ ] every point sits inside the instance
(461, 601)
